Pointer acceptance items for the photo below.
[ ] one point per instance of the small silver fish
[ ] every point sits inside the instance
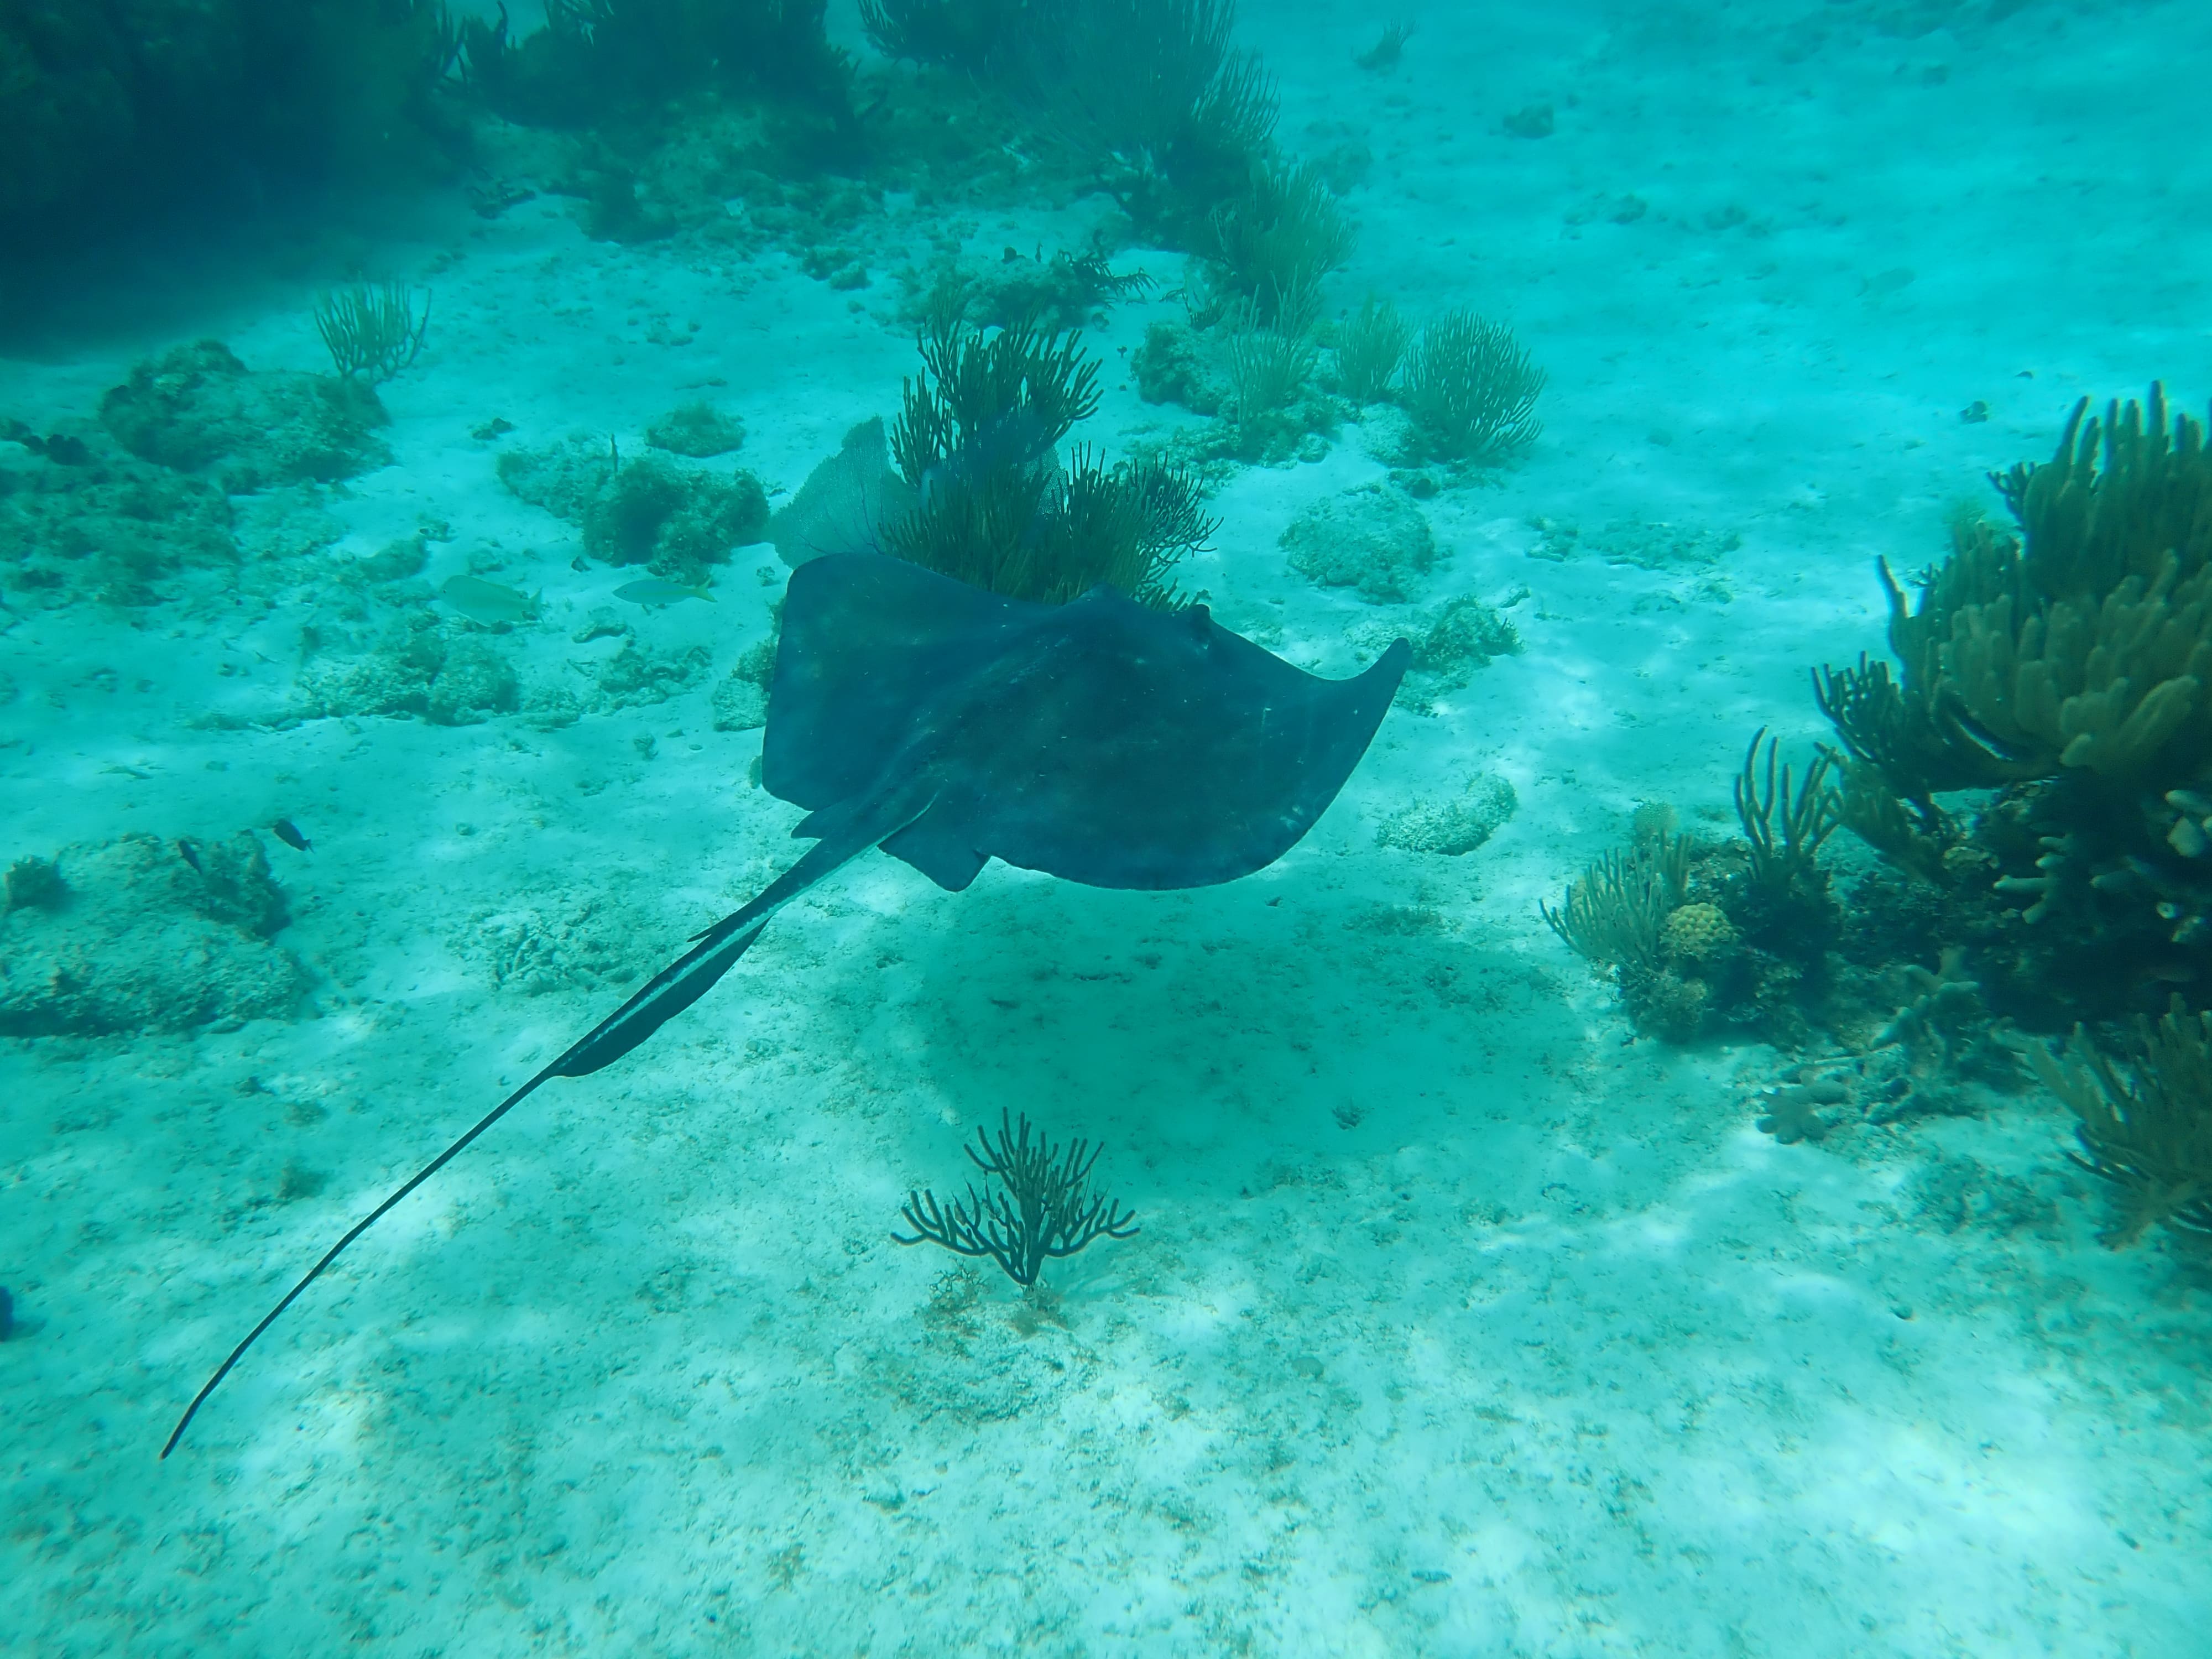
(486, 602)
(654, 590)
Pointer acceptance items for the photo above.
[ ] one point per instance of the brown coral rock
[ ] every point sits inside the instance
(1697, 932)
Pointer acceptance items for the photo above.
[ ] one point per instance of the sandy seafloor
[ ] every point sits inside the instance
(1548, 1352)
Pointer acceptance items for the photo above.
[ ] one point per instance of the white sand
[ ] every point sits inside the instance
(1552, 1353)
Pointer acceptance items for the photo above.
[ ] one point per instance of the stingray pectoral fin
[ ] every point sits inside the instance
(940, 850)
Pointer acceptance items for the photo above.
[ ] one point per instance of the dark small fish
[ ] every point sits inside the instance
(288, 832)
(191, 854)
(6, 1314)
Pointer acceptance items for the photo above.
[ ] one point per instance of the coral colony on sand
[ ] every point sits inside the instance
(987, 499)
(2035, 775)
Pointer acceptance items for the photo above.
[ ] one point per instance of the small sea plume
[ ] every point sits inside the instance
(1471, 389)
(1042, 1211)
(372, 331)
(1267, 369)
(1369, 348)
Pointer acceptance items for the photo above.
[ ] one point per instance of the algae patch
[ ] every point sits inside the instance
(104, 524)
(1452, 828)
(420, 668)
(677, 521)
(198, 409)
(128, 936)
(1371, 539)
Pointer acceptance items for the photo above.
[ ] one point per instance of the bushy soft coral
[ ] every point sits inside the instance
(2068, 667)
(1471, 389)
(2147, 1129)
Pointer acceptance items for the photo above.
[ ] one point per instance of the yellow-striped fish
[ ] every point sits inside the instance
(486, 602)
(652, 590)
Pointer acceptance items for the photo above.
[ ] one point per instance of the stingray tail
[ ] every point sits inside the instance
(713, 952)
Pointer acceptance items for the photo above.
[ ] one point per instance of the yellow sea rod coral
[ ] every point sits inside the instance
(2083, 643)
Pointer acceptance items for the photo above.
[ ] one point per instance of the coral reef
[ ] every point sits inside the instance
(1042, 1211)
(1148, 91)
(36, 883)
(1450, 646)
(139, 934)
(138, 105)
(846, 501)
(1370, 346)
(1736, 936)
(1272, 244)
(1066, 291)
(455, 672)
(612, 61)
(1174, 366)
(2148, 1132)
(638, 675)
(1848, 1087)
(447, 674)
(1615, 914)
(990, 401)
(1783, 900)
(1389, 48)
(974, 36)
(740, 704)
(1268, 370)
(1796, 1111)
(1260, 378)
(1465, 636)
(1944, 1035)
(1370, 538)
(698, 431)
(565, 478)
(104, 525)
(677, 521)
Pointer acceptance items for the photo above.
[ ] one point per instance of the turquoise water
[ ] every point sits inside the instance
(1458, 1321)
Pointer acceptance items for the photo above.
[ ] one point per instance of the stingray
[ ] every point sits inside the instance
(1100, 741)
